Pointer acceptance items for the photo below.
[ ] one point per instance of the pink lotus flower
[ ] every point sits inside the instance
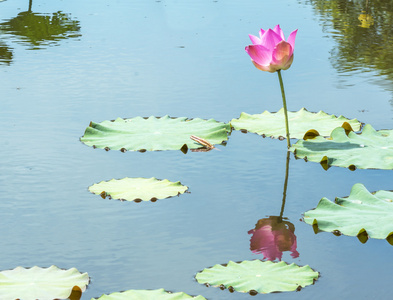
(270, 52)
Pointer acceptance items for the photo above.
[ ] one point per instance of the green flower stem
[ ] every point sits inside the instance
(285, 107)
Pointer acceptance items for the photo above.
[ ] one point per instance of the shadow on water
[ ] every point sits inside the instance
(36, 31)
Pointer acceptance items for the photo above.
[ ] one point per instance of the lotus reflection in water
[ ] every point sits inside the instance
(272, 236)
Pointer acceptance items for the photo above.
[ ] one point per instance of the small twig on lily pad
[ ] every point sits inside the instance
(203, 142)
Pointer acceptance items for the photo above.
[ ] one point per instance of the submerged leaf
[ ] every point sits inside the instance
(362, 214)
(159, 294)
(300, 122)
(151, 134)
(40, 283)
(369, 150)
(258, 276)
(144, 189)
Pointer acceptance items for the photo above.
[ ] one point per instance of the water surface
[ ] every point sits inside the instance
(155, 58)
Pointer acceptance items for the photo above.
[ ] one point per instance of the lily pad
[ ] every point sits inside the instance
(258, 276)
(369, 150)
(362, 214)
(138, 189)
(40, 283)
(159, 294)
(273, 124)
(151, 134)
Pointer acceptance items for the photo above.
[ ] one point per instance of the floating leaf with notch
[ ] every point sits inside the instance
(159, 294)
(41, 283)
(153, 133)
(362, 214)
(300, 122)
(134, 189)
(258, 276)
(369, 150)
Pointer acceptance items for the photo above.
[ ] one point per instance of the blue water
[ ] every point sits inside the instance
(181, 58)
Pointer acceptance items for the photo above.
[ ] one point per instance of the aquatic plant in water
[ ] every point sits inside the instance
(270, 52)
(153, 133)
(138, 189)
(258, 276)
(362, 214)
(42, 283)
(149, 295)
(270, 124)
(370, 149)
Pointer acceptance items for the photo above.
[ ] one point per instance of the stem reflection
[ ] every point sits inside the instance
(274, 235)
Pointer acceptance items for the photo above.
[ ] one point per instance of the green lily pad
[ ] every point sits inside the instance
(369, 150)
(362, 214)
(159, 294)
(138, 189)
(151, 134)
(40, 283)
(258, 276)
(273, 124)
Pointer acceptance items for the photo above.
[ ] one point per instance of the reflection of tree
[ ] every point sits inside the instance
(274, 235)
(39, 29)
(5, 54)
(363, 31)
